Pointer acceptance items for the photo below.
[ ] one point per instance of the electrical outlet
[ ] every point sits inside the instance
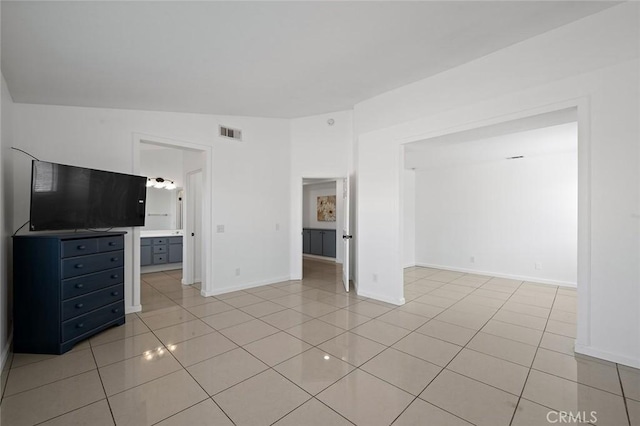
(375, 278)
(220, 229)
(538, 265)
(237, 272)
(472, 259)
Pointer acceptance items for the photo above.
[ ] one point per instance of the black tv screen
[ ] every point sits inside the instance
(69, 197)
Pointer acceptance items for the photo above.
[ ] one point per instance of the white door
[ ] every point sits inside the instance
(346, 233)
(194, 200)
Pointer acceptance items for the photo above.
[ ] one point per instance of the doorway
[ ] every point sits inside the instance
(497, 201)
(325, 230)
(198, 159)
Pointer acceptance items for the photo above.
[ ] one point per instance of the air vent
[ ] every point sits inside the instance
(517, 157)
(228, 132)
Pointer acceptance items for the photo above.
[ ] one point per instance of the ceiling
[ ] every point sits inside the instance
(545, 134)
(269, 59)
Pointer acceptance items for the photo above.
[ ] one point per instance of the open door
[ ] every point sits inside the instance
(192, 262)
(346, 233)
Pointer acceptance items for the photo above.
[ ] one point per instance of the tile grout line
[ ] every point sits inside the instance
(461, 349)
(624, 399)
(524, 385)
(345, 308)
(113, 417)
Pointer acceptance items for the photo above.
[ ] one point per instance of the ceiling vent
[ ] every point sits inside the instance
(228, 132)
(517, 157)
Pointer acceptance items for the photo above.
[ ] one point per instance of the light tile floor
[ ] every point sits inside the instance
(464, 349)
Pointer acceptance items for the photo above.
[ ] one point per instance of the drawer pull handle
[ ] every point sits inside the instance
(79, 305)
(114, 293)
(80, 325)
(111, 243)
(115, 311)
(79, 285)
(81, 247)
(114, 259)
(79, 266)
(114, 276)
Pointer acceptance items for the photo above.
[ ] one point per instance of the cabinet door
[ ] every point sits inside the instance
(329, 243)
(315, 246)
(306, 241)
(145, 255)
(175, 253)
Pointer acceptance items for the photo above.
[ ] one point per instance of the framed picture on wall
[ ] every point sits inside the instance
(326, 208)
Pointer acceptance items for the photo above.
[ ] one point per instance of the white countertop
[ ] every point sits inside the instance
(161, 233)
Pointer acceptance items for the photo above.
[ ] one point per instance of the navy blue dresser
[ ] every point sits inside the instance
(66, 288)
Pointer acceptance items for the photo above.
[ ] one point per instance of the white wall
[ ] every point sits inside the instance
(311, 193)
(318, 150)
(166, 163)
(6, 222)
(409, 218)
(592, 63)
(251, 178)
(508, 215)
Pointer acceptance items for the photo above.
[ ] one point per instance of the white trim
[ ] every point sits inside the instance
(499, 275)
(5, 353)
(149, 269)
(207, 208)
(132, 309)
(398, 302)
(320, 258)
(410, 265)
(189, 276)
(254, 284)
(608, 356)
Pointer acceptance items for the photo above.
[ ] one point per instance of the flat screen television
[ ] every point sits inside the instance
(69, 197)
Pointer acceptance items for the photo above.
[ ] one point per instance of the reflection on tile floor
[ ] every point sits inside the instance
(465, 349)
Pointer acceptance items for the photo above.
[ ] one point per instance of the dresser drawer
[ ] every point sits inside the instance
(175, 240)
(93, 263)
(145, 241)
(159, 241)
(85, 323)
(74, 287)
(79, 247)
(159, 258)
(83, 304)
(159, 249)
(110, 244)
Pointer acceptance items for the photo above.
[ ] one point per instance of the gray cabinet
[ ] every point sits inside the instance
(145, 252)
(159, 251)
(319, 242)
(306, 241)
(329, 243)
(175, 249)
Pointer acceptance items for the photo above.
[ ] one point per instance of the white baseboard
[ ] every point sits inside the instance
(160, 268)
(381, 298)
(132, 309)
(499, 275)
(5, 351)
(321, 258)
(244, 286)
(409, 265)
(608, 356)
